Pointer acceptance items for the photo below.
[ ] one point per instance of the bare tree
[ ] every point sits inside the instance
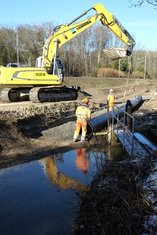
(81, 56)
(138, 3)
(7, 45)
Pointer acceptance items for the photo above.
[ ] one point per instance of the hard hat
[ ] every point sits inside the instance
(85, 100)
(111, 90)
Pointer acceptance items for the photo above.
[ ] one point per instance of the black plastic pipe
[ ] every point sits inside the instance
(99, 122)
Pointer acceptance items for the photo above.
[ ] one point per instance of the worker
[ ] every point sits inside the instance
(111, 100)
(83, 114)
(82, 160)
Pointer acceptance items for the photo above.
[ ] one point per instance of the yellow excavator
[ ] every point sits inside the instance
(45, 82)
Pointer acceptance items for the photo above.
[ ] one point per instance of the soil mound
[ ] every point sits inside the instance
(10, 136)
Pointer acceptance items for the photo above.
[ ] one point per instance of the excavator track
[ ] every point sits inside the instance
(53, 94)
(39, 94)
(5, 96)
(15, 94)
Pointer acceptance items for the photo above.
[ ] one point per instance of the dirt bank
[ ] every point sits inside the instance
(28, 129)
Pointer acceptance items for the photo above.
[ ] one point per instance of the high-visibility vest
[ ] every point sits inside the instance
(83, 112)
(111, 98)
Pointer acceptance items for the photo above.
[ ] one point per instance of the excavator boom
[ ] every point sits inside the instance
(45, 83)
(64, 33)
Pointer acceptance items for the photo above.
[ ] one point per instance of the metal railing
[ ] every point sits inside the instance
(120, 121)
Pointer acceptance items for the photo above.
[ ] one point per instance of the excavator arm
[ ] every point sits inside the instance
(63, 33)
(44, 83)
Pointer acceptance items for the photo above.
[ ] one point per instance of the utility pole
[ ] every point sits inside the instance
(145, 66)
(17, 46)
(119, 67)
(129, 65)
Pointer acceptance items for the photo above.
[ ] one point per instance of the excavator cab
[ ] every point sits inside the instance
(59, 71)
(55, 70)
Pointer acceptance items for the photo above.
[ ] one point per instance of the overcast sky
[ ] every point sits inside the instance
(141, 22)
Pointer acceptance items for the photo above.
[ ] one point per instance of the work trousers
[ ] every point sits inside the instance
(111, 106)
(81, 125)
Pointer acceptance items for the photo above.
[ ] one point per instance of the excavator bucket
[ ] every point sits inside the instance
(115, 53)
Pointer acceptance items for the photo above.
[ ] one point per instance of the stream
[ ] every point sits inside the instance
(42, 196)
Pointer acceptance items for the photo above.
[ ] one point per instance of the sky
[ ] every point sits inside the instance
(141, 22)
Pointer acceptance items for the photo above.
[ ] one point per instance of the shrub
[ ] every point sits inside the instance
(109, 72)
(137, 74)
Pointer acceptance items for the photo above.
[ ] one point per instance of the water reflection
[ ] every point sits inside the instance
(82, 160)
(58, 178)
(39, 197)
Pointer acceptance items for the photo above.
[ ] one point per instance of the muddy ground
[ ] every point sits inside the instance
(28, 130)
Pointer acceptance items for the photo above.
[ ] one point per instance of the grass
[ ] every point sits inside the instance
(93, 82)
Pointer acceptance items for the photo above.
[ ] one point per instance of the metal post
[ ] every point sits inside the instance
(112, 124)
(129, 66)
(117, 122)
(145, 65)
(17, 46)
(119, 67)
(132, 131)
(124, 128)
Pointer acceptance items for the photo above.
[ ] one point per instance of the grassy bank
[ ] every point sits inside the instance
(94, 82)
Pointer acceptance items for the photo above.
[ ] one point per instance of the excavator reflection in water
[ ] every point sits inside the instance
(62, 181)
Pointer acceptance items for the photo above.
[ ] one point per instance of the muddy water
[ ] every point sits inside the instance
(41, 197)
